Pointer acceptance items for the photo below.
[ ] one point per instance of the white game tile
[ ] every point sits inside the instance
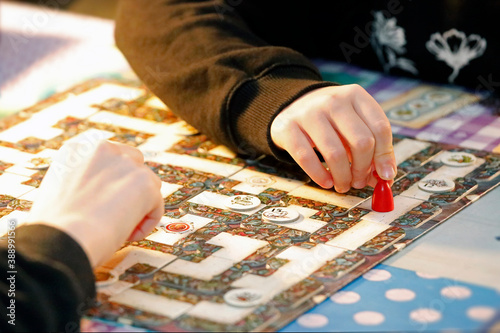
(219, 312)
(116, 288)
(148, 302)
(204, 270)
(156, 103)
(91, 136)
(357, 235)
(222, 151)
(168, 238)
(30, 128)
(255, 182)
(160, 142)
(14, 156)
(11, 184)
(16, 217)
(131, 255)
(105, 91)
(217, 200)
(234, 247)
(167, 189)
(31, 195)
(136, 124)
(406, 148)
(326, 196)
(402, 205)
(303, 223)
(21, 167)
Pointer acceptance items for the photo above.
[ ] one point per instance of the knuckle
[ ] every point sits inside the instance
(331, 103)
(356, 89)
(104, 147)
(364, 144)
(358, 172)
(301, 155)
(127, 163)
(382, 128)
(282, 121)
(334, 155)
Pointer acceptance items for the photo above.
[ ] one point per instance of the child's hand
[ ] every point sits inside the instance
(101, 195)
(350, 130)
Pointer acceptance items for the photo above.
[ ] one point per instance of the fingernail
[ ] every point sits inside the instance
(388, 172)
(341, 189)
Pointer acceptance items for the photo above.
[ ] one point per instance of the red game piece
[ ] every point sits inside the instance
(382, 199)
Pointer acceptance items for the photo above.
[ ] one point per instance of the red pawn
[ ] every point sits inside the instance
(382, 199)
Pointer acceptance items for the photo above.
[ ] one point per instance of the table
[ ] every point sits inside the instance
(404, 293)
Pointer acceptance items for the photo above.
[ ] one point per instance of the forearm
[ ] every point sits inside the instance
(53, 281)
(209, 68)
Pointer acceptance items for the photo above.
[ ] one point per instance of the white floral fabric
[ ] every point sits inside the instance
(388, 41)
(453, 47)
(456, 49)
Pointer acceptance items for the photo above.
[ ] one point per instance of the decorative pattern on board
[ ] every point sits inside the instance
(35, 179)
(258, 319)
(124, 314)
(138, 108)
(332, 230)
(382, 241)
(297, 294)
(418, 215)
(339, 267)
(4, 165)
(19, 204)
(5, 199)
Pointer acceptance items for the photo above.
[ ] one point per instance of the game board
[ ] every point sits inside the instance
(208, 266)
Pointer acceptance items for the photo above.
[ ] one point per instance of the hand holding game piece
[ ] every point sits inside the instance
(382, 199)
(100, 196)
(350, 130)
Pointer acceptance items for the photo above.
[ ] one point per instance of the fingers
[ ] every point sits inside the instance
(149, 221)
(360, 142)
(299, 147)
(374, 117)
(330, 146)
(350, 130)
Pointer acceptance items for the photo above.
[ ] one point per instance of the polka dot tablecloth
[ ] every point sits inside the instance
(393, 299)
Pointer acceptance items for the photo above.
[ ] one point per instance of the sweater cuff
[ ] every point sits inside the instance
(42, 243)
(255, 103)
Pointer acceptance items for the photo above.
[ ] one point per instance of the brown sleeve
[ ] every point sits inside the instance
(201, 59)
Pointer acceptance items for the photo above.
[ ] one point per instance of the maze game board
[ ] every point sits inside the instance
(210, 265)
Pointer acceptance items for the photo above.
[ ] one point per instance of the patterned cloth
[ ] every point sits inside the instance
(394, 299)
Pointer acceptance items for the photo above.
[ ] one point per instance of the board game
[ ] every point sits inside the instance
(244, 245)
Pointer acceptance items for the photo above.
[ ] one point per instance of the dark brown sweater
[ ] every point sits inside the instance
(228, 67)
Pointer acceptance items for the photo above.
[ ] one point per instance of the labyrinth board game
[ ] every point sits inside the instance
(244, 245)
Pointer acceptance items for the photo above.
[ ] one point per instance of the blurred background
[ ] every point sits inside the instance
(50, 51)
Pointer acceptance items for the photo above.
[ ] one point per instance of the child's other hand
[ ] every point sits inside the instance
(350, 130)
(101, 195)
